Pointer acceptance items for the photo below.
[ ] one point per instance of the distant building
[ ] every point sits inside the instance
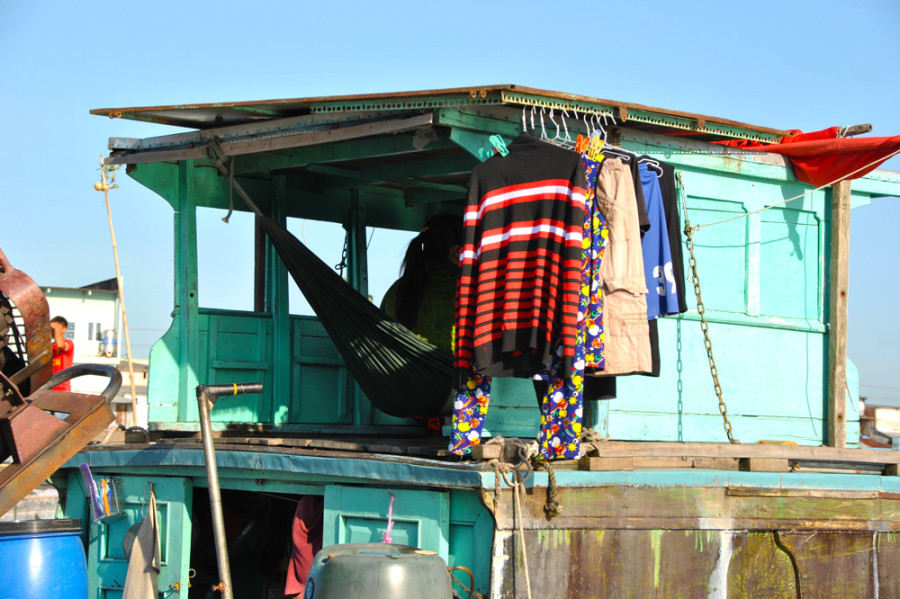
(95, 327)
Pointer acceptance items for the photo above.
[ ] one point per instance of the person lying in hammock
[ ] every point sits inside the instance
(424, 297)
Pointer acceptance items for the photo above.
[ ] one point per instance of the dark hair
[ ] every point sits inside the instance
(60, 320)
(426, 251)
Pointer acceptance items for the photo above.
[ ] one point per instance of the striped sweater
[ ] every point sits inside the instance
(520, 266)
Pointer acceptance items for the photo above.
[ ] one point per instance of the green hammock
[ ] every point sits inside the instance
(400, 373)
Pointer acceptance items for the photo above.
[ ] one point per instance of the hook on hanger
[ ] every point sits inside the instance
(552, 120)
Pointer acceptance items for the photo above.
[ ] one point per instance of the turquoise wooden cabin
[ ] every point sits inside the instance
(661, 505)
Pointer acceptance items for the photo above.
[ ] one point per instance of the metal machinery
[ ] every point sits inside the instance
(40, 429)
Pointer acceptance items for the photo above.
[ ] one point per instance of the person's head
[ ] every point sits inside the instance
(58, 324)
(438, 244)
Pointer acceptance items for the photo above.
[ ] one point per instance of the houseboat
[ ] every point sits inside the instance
(736, 472)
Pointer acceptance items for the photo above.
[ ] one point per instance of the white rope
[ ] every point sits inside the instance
(797, 197)
(518, 510)
(500, 471)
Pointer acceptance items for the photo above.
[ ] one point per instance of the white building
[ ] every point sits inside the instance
(95, 329)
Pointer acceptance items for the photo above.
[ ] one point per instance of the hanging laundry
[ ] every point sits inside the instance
(662, 297)
(627, 337)
(562, 402)
(673, 222)
(520, 268)
(596, 233)
(522, 258)
(144, 559)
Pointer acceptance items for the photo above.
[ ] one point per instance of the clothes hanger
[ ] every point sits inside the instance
(609, 148)
(562, 137)
(582, 141)
(652, 165)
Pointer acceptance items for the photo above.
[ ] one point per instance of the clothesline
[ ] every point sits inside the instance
(696, 228)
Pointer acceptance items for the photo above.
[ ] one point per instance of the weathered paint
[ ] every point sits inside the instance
(738, 564)
(627, 534)
(629, 542)
(718, 578)
(655, 539)
(270, 464)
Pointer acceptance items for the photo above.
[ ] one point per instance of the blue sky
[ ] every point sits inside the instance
(786, 64)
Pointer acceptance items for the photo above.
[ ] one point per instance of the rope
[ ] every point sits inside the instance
(797, 197)
(518, 486)
(553, 507)
(230, 192)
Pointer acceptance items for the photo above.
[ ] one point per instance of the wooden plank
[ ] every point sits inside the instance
(727, 450)
(268, 127)
(601, 464)
(814, 493)
(283, 142)
(764, 465)
(709, 508)
(487, 452)
(837, 333)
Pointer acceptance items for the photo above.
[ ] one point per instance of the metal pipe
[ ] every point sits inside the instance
(215, 497)
(206, 399)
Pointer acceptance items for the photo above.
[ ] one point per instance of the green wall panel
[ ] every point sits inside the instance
(107, 563)
(360, 515)
(790, 265)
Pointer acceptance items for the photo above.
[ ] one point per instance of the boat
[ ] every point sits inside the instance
(737, 472)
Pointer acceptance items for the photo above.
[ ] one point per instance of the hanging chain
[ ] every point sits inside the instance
(704, 325)
(343, 263)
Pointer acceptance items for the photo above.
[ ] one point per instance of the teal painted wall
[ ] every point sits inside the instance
(764, 279)
(236, 347)
(451, 522)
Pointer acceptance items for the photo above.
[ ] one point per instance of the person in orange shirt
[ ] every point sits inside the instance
(63, 349)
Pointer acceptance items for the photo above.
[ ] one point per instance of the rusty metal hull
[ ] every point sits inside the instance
(673, 542)
(27, 297)
(39, 442)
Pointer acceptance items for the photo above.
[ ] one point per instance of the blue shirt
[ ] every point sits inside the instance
(662, 293)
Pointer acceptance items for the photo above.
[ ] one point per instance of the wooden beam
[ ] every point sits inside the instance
(283, 142)
(764, 465)
(346, 151)
(602, 464)
(808, 453)
(408, 173)
(259, 266)
(839, 281)
(383, 178)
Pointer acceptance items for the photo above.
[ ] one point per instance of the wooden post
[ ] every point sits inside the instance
(259, 267)
(839, 280)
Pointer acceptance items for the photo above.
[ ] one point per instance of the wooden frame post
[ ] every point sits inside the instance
(839, 282)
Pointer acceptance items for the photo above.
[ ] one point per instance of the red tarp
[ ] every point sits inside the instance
(821, 158)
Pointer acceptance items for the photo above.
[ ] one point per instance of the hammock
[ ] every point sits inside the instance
(401, 374)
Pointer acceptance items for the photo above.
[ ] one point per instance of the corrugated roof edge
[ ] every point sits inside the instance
(262, 109)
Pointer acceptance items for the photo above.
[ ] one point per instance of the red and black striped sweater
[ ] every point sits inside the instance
(520, 267)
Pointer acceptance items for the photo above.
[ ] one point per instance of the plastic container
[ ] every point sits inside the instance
(41, 559)
(109, 344)
(377, 571)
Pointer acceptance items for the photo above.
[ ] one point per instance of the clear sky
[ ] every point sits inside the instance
(783, 64)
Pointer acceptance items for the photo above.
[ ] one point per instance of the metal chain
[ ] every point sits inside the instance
(704, 325)
(343, 263)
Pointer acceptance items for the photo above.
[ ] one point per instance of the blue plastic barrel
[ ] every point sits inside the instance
(41, 559)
